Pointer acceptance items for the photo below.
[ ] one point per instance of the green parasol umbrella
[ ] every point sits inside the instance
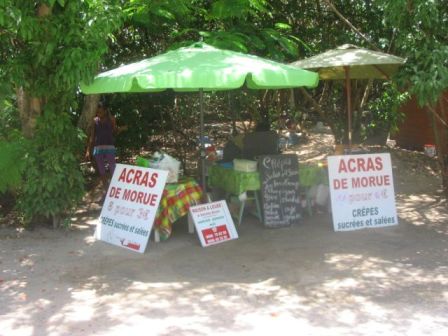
(351, 62)
(200, 67)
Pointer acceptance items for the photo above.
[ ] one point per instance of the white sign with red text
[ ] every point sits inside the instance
(130, 206)
(362, 191)
(213, 223)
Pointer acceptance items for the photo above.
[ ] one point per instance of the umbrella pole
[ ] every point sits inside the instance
(349, 106)
(202, 145)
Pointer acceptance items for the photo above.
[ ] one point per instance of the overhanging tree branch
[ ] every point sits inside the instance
(352, 27)
(436, 115)
(316, 106)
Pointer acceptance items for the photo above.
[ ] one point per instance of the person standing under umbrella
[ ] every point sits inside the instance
(101, 141)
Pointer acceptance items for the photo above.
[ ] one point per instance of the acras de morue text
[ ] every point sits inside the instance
(138, 178)
(356, 165)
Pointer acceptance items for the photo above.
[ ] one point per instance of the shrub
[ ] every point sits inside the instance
(383, 113)
(53, 183)
(12, 163)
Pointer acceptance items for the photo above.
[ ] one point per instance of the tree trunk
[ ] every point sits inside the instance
(440, 139)
(30, 108)
(361, 91)
(265, 122)
(444, 149)
(88, 112)
(56, 220)
(232, 112)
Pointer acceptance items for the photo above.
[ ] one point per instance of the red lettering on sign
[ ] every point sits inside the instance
(360, 164)
(152, 182)
(342, 167)
(122, 177)
(152, 201)
(370, 181)
(145, 179)
(139, 197)
(340, 184)
(115, 192)
(379, 163)
(351, 165)
(137, 177)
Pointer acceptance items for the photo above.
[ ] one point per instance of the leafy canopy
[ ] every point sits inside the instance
(48, 55)
(421, 28)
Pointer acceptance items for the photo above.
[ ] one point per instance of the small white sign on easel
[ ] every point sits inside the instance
(213, 223)
(130, 206)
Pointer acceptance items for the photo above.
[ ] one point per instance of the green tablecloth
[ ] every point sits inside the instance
(235, 182)
(232, 181)
(311, 174)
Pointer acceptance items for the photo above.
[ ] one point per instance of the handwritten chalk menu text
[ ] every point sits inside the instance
(280, 195)
(362, 191)
(130, 207)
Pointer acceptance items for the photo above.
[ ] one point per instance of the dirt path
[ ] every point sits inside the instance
(303, 280)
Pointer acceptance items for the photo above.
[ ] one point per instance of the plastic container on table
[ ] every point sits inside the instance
(163, 162)
(246, 166)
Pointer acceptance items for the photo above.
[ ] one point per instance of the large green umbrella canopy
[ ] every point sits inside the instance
(351, 62)
(200, 67)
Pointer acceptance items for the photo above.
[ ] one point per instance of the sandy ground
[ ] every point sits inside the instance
(303, 280)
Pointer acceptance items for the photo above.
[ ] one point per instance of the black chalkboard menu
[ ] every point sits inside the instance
(280, 198)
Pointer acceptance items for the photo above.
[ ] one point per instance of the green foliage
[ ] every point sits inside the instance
(427, 72)
(12, 162)
(12, 144)
(141, 113)
(383, 113)
(153, 14)
(46, 54)
(49, 55)
(226, 9)
(242, 25)
(53, 182)
(9, 116)
(421, 27)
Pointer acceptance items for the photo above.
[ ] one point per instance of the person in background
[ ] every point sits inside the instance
(101, 144)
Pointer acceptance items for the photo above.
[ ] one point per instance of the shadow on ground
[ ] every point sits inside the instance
(306, 279)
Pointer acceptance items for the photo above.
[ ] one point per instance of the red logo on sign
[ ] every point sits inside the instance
(216, 234)
(131, 245)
